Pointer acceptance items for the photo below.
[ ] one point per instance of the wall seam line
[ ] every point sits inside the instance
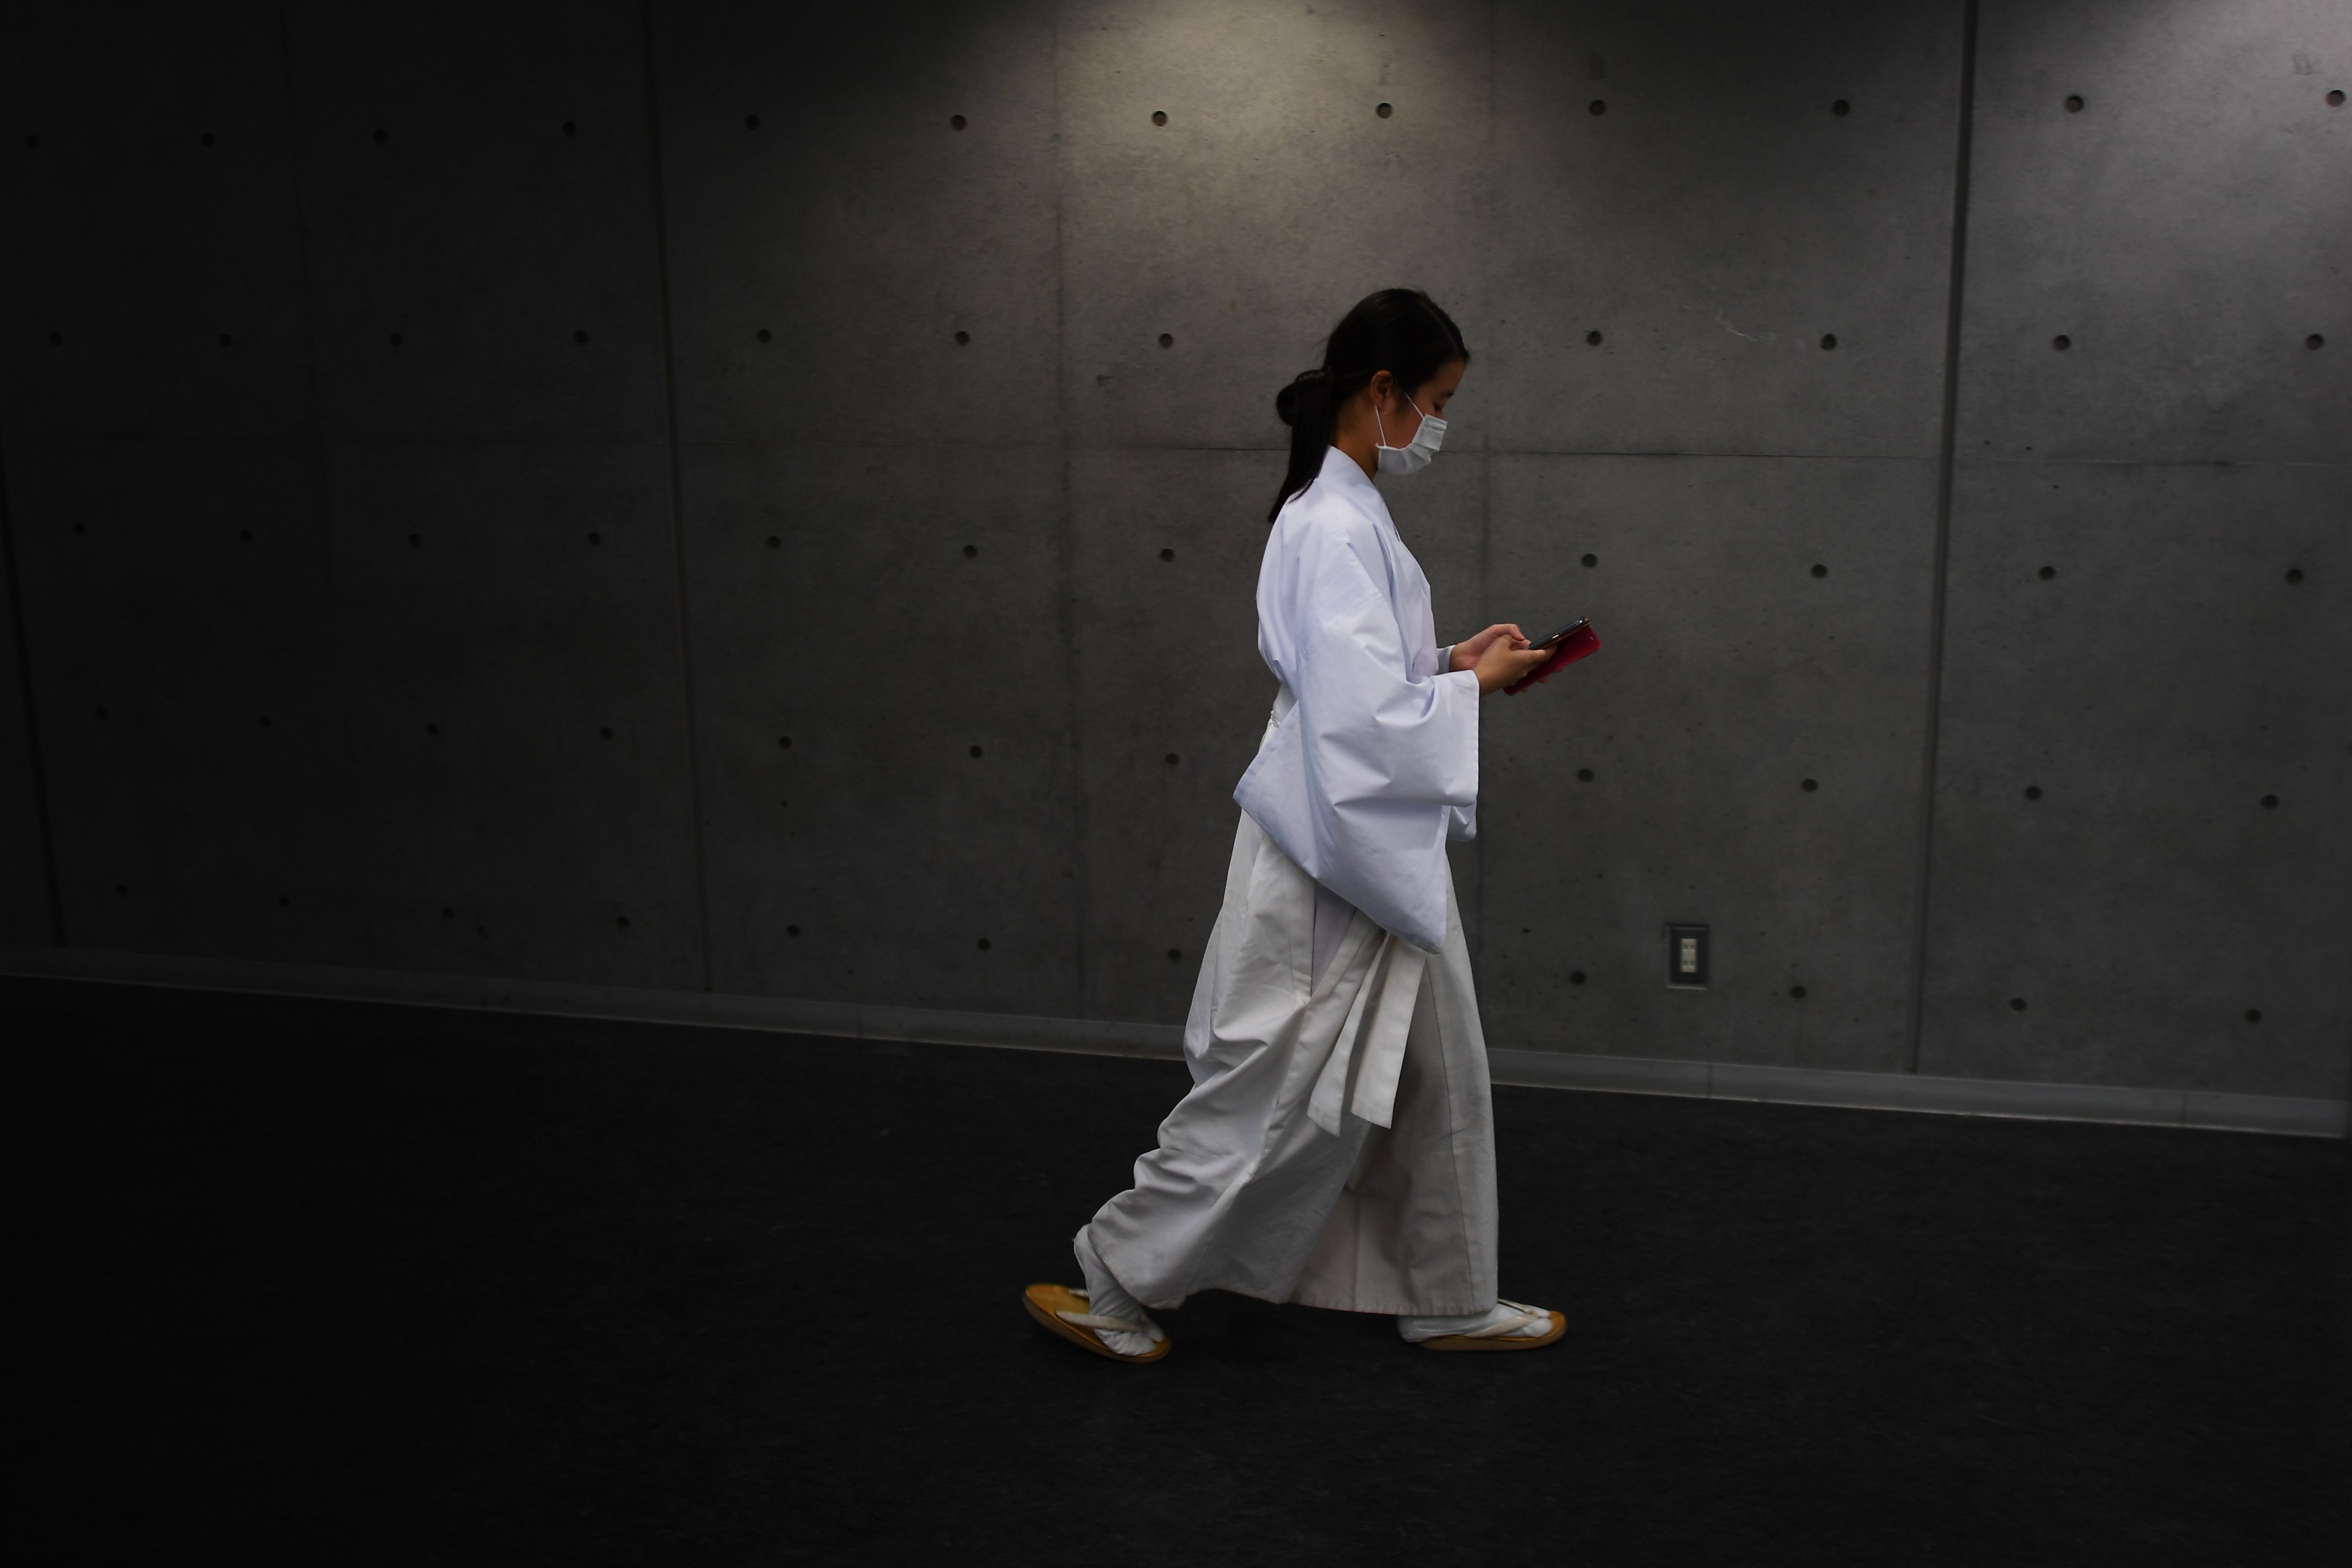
(677, 492)
(1478, 944)
(318, 446)
(32, 722)
(1066, 543)
(1916, 1024)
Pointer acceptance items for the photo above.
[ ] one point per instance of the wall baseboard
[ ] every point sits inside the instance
(1541, 1069)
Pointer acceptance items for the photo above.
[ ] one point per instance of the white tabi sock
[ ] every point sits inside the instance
(1107, 1298)
(1417, 1330)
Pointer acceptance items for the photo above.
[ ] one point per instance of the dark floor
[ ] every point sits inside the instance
(337, 1284)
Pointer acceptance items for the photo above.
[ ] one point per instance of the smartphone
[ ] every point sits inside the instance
(1547, 642)
(1571, 642)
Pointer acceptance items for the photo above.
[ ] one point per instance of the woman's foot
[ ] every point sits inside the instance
(1504, 1326)
(1110, 1300)
(1102, 1317)
(1070, 1314)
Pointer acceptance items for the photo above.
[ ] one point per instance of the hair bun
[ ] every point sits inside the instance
(1286, 402)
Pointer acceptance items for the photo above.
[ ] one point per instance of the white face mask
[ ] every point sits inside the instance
(1414, 454)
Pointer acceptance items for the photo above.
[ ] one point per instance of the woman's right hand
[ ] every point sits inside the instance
(1506, 660)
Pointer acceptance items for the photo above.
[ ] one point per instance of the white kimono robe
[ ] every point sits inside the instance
(1336, 1148)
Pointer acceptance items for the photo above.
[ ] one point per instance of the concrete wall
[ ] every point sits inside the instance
(473, 473)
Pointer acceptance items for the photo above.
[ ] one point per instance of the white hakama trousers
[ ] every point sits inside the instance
(1338, 1147)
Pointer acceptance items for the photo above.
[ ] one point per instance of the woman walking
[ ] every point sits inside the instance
(1336, 1148)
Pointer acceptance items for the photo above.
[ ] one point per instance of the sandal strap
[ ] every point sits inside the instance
(1144, 1326)
(1527, 1315)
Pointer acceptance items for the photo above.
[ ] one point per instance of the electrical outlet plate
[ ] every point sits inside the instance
(1687, 957)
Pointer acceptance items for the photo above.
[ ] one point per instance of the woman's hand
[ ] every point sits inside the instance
(1506, 657)
(1466, 651)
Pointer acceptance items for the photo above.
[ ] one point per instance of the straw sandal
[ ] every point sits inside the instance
(1065, 1311)
(1504, 1336)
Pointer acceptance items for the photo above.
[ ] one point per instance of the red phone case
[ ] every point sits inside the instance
(1583, 640)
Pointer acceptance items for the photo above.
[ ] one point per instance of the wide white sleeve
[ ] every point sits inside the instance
(1375, 736)
(1371, 771)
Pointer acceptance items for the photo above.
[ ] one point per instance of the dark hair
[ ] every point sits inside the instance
(1400, 330)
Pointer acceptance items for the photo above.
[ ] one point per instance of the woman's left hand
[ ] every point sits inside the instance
(1466, 651)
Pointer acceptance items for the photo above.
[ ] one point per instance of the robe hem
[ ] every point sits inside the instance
(1388, 1311)
(1320, 1304)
